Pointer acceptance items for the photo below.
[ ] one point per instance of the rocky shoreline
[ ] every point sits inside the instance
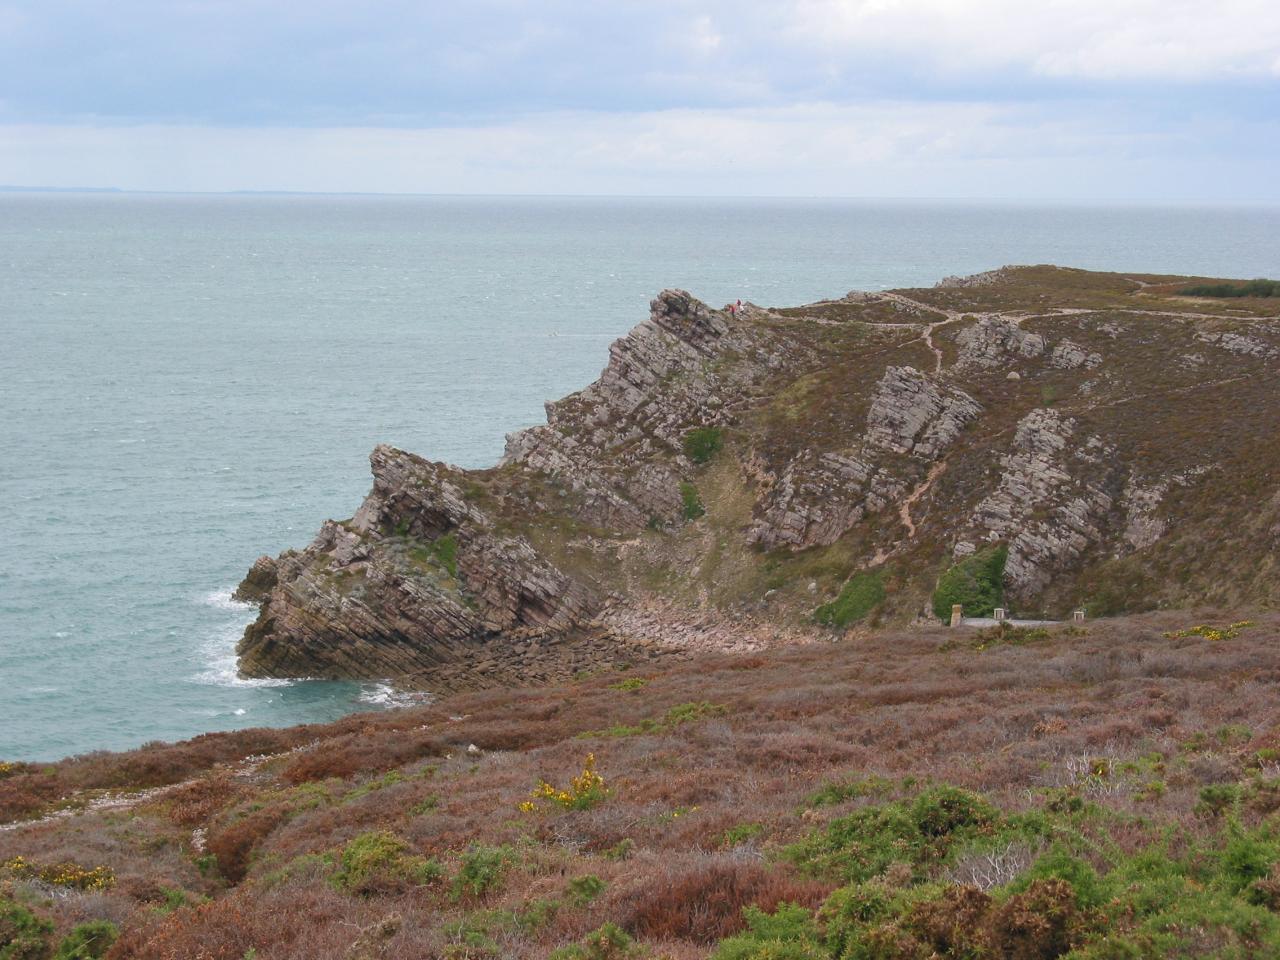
(729, 472)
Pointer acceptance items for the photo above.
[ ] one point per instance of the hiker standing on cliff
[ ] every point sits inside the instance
(737, 308)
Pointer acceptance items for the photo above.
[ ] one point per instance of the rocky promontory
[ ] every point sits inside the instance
(729, 474)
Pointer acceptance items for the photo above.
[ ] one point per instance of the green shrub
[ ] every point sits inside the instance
(1251, 288)
(380, 859)
(789, 933)
(1059, 864)
(88, 941)
(834, 794)
(864, 844)
(976, 583)
(23, 935)
(1217, 799)
(582, 890)
(850, 910)
(622, 850)
(691, 507)
(610, 942)
(740, 834)
(861, 594)
(941, 811)
(482, 869)
(703, 443)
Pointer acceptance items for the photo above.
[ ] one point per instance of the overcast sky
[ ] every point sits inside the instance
(1049, 99)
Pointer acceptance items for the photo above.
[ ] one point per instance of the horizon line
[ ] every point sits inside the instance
(1136, 201)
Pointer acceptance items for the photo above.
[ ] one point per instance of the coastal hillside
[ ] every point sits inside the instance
(1088, 792)
(1035, 438)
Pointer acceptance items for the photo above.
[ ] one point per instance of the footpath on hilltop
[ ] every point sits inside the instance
(656, 765)
(1038, 438)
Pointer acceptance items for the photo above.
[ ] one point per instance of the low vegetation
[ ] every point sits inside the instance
(1249, 288)
(976, 583)
(691, 507)
(1105, 792)
(861, 594)
(703, 443)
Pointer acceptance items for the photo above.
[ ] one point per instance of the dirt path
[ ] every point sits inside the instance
(100, 802)
(904, 509)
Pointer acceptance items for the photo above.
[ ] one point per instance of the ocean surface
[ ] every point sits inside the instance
(187, 382)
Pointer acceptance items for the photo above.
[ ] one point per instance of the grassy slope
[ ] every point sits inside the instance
(1141, 766)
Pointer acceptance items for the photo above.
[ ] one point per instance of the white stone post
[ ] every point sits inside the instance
(957, 614)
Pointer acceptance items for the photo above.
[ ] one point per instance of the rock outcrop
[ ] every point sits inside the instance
(1052, 411)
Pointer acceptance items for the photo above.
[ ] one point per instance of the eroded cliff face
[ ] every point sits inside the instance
(1119, 439)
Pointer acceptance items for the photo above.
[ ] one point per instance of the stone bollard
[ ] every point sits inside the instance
(998, 614)
(957, 614)
(1078, 616)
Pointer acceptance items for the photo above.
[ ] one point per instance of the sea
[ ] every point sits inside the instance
(187, 382)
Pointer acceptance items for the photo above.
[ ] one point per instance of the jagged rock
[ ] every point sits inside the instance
(601, 440)
(1051, 498)
(1142, 526)
(1068, 355)
(912, 414)
(597, 541)
(819, 498)
(986, 278)
(1237, 343)
(258, 583)
(368, 599)
(992, 342)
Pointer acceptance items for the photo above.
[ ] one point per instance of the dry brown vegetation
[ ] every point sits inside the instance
(271, 858)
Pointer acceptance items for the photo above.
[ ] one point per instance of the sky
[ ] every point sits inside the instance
(1088, 100)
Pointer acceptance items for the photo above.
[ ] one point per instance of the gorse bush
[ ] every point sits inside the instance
(610, 942)
(867, 842)
(23, 935)
(584, 791)
(861, 594)
(703, 443)
(88, 941)
(976, 583)
(379, 861)
(70, 875)
(1251, 288)
(482, 870)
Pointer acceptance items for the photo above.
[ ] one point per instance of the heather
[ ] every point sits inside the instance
(1111, 790)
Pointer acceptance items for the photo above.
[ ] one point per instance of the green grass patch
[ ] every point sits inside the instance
(691, 507)
(861, 594)
(703, 443)
(678, 715)
(976, 583)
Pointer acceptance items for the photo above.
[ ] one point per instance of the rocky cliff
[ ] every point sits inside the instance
(728, 474)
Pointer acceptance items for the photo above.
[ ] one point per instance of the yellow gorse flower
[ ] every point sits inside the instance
(1229, 632)
(61, 874)
(584, 791)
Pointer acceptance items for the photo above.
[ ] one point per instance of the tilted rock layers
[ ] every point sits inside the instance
(1048, 410)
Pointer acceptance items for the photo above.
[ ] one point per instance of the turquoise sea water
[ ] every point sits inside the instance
(188, 382)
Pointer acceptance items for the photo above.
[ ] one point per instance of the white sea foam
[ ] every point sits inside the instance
(225, 600)
(218, 650)
(388, 697)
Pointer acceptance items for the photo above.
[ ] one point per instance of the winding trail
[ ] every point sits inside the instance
(904, 508)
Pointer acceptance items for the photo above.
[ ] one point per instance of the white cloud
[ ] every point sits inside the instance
(1095, 39)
